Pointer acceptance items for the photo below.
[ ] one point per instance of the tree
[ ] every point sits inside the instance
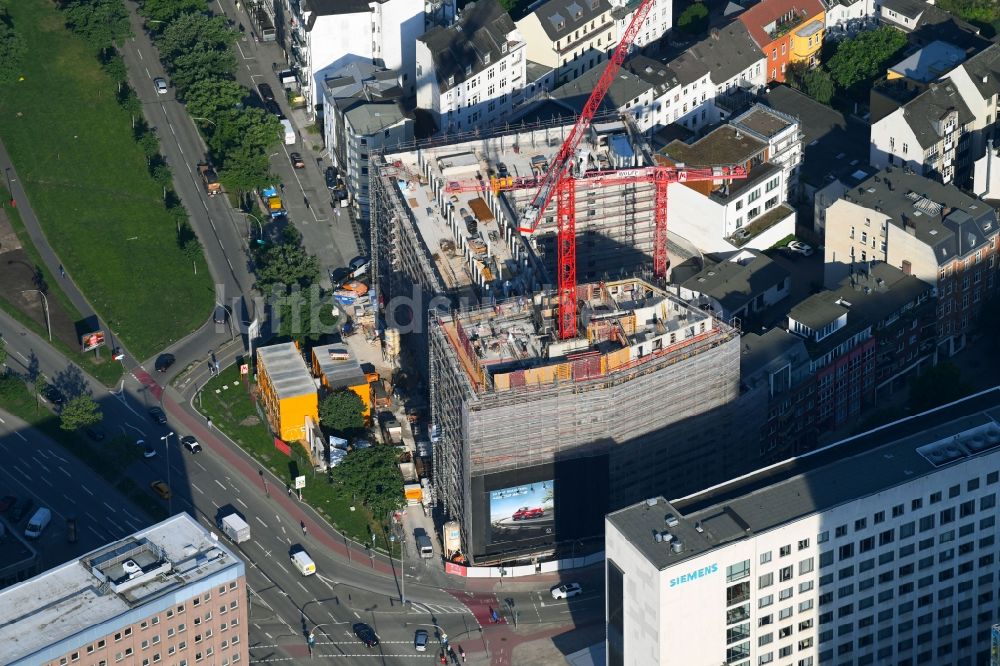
(694, 19)
(214, 97)
(285, 264)
(195, 32)
(159, 12)
(372, 475)
(200, 64)
(938, 385)
(78, 412)
(862, 58)
(342, 411)
(102, 23)
(253, 130)
(3, 355)
(818, 85)
(40, 386)
(12, 48)
(244, 170)
(974, 11)
(304, 316)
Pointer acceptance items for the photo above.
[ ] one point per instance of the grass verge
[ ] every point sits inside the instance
(108, 458)
(106, 370)
(234, 413)
(89, 186)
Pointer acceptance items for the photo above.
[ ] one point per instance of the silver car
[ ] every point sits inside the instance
(161, 85)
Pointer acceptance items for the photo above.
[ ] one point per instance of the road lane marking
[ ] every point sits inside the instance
(23, 438)
(86, 489)
(200, 465)
(282, 567)
(47, 482)
(242, 503)
(198, 489)
(130, 515)
(91, 528)
(356, 615)
(261, 521)
(61, 469)
(304, 589)
(220, 484)
(108, 505)
(133, 526)
(23, 474)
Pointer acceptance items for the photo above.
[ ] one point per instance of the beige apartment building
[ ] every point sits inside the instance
(169, 595)
(927, 229)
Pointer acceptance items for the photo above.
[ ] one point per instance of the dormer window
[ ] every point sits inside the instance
(468, 70)
(486, 58)
(451, 80)
(503, 48)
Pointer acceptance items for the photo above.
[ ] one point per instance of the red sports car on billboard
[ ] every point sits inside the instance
(524, 513)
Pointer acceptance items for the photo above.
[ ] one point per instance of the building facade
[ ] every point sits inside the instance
(170, 593)
(286, 390)
(787, 32)
(472, 73)
(325, 35)
(932, 231)
(363, 114)
(879, 549)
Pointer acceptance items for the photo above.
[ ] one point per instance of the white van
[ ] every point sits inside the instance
(304, 563)
(289, 131)
(38, 523)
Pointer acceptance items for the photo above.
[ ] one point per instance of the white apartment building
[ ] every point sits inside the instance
(325, 35)
(880, 549)
(929, 134)
(571, 37)
(849, 14)
(472, 73)
(783, 135)
(363, 115)
(978, 82)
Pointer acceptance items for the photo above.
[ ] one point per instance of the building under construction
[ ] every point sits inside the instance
(635, 403)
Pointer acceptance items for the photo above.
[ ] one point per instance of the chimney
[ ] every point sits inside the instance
(888, 183)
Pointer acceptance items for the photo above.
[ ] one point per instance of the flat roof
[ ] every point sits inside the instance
(125, 578)
(286, 370)
(723, 146)
(856, 467)
(764, 121)
(929, 63)
(339, 372)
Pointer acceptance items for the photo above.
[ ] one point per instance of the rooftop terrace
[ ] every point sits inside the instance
(723, 146)
(107, 583)
(622, 324)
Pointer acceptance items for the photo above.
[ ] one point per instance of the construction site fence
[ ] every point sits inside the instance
(521, 570)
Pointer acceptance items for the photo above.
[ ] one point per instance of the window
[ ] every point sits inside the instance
(785, 550)
(737, 593)
(765, 581)
(785, 574)
(738, 571)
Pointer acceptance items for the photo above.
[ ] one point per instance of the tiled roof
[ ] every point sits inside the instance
(724, 53)
(468, 46)
(758, 17)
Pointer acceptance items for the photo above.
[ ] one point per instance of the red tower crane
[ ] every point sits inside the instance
(558, 182)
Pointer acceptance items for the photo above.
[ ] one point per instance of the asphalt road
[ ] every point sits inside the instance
(284, 604)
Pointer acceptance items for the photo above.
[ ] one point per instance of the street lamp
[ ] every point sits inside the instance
(250, 229)
(402, 565)
(207, 120)
(229, 320)
(45, 301)
(166, 446)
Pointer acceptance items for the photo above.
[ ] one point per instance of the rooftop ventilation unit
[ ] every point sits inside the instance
(651, 501)
(677, 546)
(671, 520)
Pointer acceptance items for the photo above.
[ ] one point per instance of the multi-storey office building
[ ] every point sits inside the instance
(878, 550)
(168, 594)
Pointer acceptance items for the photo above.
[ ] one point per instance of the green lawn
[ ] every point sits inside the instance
(233, 412)
(109, 458)
(88, 184)
(106, 370)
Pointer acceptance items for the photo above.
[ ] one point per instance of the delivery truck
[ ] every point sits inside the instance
(209, 179)
(235, 528)
(424, 546)
(270, 202)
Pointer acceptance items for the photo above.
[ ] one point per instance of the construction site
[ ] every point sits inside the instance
(527, 268)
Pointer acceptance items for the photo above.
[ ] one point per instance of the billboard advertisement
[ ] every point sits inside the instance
(523, 512)
(92, 340)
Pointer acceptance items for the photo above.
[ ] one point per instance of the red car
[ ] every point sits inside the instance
(524, 513)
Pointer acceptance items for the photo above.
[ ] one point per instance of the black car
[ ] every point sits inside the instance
(297, 161)
(191, 444)
(273, 108)
(53, 395)
(164, 361)
(266, 93)
(365, 634)
(157, 415)
(21, 509)
(331, 177)
(94, 434)
(71, 530)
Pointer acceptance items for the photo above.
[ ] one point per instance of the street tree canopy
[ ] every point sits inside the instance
(694, 19)
(342, 411)
(78, 412)
(102, 23)
(191, 32)
(372, 475)
(12, 48)
(286, 264)
(159, 12)
(214, 97)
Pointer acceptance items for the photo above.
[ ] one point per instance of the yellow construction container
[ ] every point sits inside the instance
(287, 390)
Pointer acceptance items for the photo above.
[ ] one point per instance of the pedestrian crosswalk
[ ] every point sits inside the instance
(437, 609)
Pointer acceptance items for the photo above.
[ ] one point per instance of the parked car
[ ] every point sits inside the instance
(524, 513)
(566, 591)
(7, 502)
(53, 395)
(71, 530)
(191, 444)
(358, 263)
(161, 489)
(365, 634)
(94, 434)
(799, 247)
(266, 93)
(331, 177)
(420, 640)
(164, 361)
(21, 509)
(161, 85)
(157, 415)
(149, 452)
(273, 108)
(297, 161)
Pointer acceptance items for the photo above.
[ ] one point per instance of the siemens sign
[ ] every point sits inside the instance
(694, 575)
